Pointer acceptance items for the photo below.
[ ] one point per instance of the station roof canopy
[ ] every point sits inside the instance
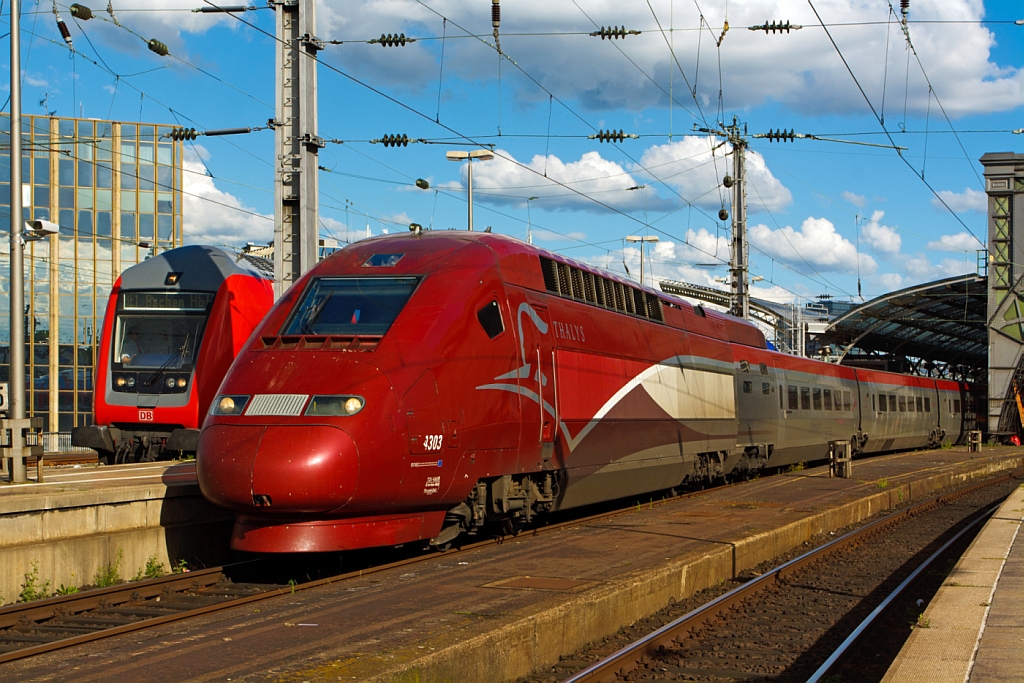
(942, 322)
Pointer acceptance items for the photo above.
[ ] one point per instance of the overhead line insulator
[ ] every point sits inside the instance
(184, 134)
(81, 12)
(614, 32)
(389, 40)
(779, 135)
(156, 46)
(394, 140)
(612, 136)
(496, 22)
(776, 26)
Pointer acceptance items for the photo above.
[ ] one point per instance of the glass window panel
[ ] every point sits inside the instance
(164, 154)
(164, 228)
(128, 256)
(128, 131)
(128, 226)
(41, 356)
(66, 331)
(177, 180)
(85, 174)
(65, 422)
(85, 129)
(146, 203)
(146, 176)
(85, 150)
(146, 226)
(65, 399)
(105, 150)
(85, 198)
(104, 175)
(41, 195)
(66, 199)
(67, 223)
(85, 226)
(66, 172)
(42, 172)
(104, 201)
(66, 128)
(127, 176)
(163, 202)
(42, 214)
(177, 229)
(163, 178)
(128, 201)
(66, 354)
(146, 149)
(103, 223)
(5, 194)
(85, 401)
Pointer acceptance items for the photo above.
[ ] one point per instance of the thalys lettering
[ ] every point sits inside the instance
(396, 348)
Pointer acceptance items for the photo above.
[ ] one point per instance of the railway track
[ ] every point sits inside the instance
(797, 620)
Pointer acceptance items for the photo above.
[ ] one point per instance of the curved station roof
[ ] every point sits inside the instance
(934, 328)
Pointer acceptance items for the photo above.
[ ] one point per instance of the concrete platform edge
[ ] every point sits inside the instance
(516, 649)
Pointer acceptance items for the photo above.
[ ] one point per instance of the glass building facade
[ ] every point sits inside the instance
(114, 189)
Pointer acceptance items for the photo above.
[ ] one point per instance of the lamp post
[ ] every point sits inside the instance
(460, 155)
(641, 240)
(529, 221)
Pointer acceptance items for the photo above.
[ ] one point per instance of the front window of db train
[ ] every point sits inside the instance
(156, 336)
(350, 306)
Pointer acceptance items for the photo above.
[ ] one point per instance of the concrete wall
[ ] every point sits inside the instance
(72, 535)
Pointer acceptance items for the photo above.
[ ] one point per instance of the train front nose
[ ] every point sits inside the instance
(277, 468)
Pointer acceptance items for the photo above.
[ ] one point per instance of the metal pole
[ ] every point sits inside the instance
(740, 282)
(17, 302)
(641, 264)
(469, 189)
(296, 143)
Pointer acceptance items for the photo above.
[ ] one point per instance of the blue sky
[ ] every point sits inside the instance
(821, 214)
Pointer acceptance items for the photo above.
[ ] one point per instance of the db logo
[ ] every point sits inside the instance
(145, 416)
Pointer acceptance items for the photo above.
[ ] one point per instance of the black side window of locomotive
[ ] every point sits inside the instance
(490, 319)
(817, 398)
(827, 399)
(927, 404)
(793, 403)
(805, 398)
(883, 405)
(892, 403)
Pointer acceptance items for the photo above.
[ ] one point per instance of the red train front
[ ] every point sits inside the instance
(172, 327)
(417, 387)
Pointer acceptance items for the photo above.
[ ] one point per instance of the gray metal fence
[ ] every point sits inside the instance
(60, 442)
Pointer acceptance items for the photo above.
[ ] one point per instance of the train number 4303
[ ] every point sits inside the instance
(432, 442)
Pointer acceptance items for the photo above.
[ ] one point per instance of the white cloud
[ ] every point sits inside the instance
(880, 237)
(801, 70)
(691, 167)
(855, 199)
(214, 216)
(968, 200)
(816, 243)
(504, 180)
(961, 241)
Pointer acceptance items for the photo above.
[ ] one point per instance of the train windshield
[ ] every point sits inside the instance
(350, 305)
(157, 330)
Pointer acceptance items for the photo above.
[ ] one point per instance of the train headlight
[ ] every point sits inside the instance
(335, 405)
(130, 382)
(170, 382)
(120, 381)
(229, 405)
(182, 382)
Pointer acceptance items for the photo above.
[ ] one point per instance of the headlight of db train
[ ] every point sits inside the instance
(335, 405)
(229, 405)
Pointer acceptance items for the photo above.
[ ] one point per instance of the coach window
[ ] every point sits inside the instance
(920, 404)
(892, 403)
(781, 407)
(805, 398)
(883, 404)
(827, 397)
(910, 404)
(903, 403)
(763, 367)
(927, 404)
(766, 388)
(873, 402)
(490, 319)
(793, 403)
(817, 398)
(847, 403)
(747, 386)
(956, 406)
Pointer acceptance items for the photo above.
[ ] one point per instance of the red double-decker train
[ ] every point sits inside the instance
(173, 325)
(418, 387)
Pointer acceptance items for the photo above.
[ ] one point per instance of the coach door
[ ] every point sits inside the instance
(536, 387)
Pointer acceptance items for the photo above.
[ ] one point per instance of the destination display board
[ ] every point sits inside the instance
(165, 301)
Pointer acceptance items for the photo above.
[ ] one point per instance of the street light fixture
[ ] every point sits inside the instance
(462, 155)
(529, 222)
(641, 240)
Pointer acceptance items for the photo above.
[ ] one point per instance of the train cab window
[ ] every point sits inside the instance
(805, 398)
(793, 403)
(903, 403)
(159, 329)
(827, 398)
(920, 404)
(817, 398)
(956, 406)
(350, 305)
(892, 403)
(747, 386)
(927, 404)
(490, 319)
(883, 404)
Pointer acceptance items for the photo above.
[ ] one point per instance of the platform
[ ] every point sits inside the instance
(81, 518)
(497, 612)
(975, 622)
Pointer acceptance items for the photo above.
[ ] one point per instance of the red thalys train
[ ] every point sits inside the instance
(173, 325)
(417, 387)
